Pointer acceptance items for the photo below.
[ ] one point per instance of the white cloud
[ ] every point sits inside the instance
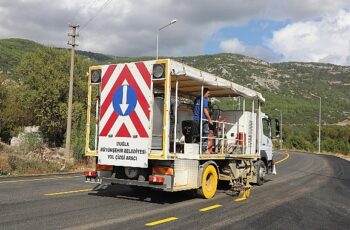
(235, 46)
(307, 9)
(232, 46)
(323, 40)
(126, 27)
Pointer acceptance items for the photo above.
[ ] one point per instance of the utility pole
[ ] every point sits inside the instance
(319, 124)
(319, 128)
(73, 34)
(281, 133)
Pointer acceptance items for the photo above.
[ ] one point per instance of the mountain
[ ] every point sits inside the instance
(287, 87)
(12, 50)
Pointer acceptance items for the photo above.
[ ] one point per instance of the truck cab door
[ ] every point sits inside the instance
(266, 141)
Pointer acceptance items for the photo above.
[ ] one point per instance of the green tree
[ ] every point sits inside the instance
(44, 74)
(12, 114)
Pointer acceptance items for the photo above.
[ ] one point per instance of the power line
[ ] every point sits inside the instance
(71, 20)
(107, 2)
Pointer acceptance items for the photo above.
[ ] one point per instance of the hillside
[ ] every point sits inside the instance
(12, 51)
(286, 86)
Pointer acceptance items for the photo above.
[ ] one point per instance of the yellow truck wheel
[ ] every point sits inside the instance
(209, 182)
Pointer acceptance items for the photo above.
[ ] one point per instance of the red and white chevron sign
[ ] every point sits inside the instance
(124, 126)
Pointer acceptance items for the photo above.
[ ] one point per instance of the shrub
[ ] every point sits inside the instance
(298, 142)
(13, 162)
(18, 165)
(32, 142)
(4, 167)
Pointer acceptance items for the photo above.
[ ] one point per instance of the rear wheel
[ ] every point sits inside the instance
(261, 173)
(209, 183)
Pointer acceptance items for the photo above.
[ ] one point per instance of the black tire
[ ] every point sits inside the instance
(191, 193)
(261, 172)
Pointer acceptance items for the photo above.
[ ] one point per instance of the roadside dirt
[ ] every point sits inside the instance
(17, 161)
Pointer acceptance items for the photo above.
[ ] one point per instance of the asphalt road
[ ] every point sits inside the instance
(309, 192)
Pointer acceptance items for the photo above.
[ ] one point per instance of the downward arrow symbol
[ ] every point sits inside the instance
(123, 105)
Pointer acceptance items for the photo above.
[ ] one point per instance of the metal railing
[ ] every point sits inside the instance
(224, 143)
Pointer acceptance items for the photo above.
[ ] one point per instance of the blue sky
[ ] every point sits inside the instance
(254, 33)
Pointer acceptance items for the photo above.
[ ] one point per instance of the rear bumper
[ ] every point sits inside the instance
(106, 180)
(109, 181)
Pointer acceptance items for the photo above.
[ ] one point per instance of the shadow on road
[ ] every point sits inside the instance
(142, 194)
(150, 195)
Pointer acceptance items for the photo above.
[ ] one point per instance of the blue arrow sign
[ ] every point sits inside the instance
(124, 100)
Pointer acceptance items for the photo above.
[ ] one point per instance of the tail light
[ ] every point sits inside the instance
(156, 179)
(90, 174)
(163, 171)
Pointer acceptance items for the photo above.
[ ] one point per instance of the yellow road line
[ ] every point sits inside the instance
(38, 179)
(210, 208)
(283, 158)
(161, 221)
(68, 192)
(240, 199)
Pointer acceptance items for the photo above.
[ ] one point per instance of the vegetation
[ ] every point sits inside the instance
(287, 86)
(22, 166)
(12, 115)
(12, 50)
(43, 76)
(23, 161)
(334, 139)
(37, 94)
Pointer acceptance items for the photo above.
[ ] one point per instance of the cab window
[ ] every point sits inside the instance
(267, 127)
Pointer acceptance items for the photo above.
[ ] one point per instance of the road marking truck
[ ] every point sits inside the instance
(145, 136)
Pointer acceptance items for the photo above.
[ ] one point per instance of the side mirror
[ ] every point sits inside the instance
(278, 128)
